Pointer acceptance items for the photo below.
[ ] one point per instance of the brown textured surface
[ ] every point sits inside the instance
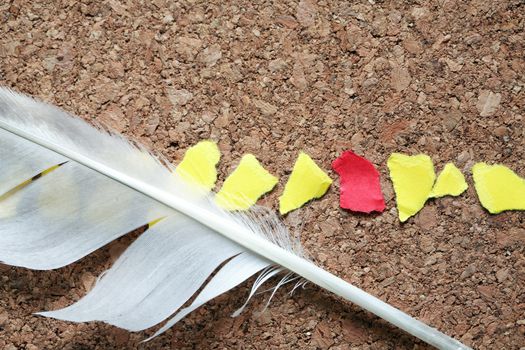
(444, 78)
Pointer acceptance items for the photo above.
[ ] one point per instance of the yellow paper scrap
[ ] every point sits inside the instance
(199, 164)
(245, 185)
(498, 188)
(450, 182)
(413, 177)
(307, 181)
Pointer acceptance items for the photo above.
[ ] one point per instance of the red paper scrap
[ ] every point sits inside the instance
(359, 183)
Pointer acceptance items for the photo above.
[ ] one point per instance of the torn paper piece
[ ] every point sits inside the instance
(245, 185)
(498, 188)
(413, 177)
(359, 184)
(450, 182)
(307, 181)
(199, 164)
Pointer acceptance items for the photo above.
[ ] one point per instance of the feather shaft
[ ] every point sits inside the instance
(258, 245)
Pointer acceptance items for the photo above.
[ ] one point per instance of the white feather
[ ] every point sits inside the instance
(68, 214)
(165, 266)
(234, 272)
(21, 159)
(159, 272)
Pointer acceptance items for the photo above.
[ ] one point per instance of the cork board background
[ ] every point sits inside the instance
(445, 78)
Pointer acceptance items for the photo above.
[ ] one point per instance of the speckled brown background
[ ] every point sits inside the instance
(443, 77)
